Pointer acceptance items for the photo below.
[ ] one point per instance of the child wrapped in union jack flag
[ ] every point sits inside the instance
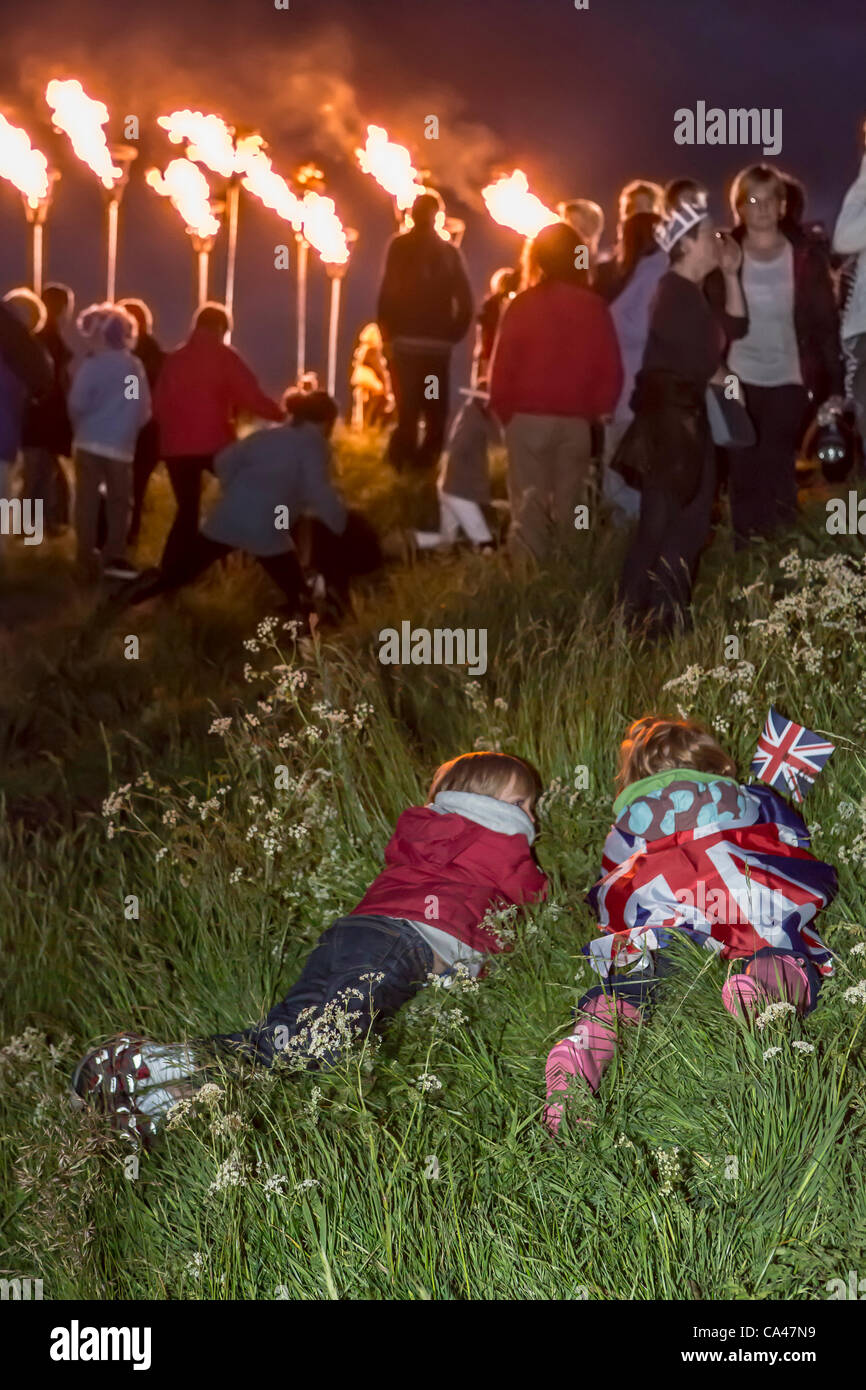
(694, 851)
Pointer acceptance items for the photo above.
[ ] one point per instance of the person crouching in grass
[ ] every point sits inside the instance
(448, 864)
(693, 853)
(268, 481)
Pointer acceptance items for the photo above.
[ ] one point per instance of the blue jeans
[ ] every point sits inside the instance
(364, 967)
(639, 987)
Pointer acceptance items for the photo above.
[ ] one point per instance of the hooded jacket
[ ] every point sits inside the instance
(448, 870)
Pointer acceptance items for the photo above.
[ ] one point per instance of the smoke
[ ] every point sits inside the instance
(305, 98)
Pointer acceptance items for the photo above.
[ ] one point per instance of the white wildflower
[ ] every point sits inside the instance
(855, 994)
(774, 1011)
(229, 1174)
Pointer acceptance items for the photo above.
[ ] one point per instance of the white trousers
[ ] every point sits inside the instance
(456, 514)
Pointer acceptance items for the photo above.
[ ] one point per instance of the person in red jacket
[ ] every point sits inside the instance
(448, 865)
(202, 388)
(556, 367)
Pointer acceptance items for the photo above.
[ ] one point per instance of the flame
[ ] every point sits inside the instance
(510, 203)
(324, 230)
(266, 185)
(82, 119)
(209, 139)
(186, 187)
(391, 167)
(315, 214)
(21, 164)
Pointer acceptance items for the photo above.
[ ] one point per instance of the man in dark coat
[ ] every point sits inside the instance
(425, 308)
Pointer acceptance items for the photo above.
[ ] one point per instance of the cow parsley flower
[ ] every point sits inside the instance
(855, 994)
(774, 1011)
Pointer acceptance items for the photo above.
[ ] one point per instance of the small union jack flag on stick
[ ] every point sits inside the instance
(788, 756)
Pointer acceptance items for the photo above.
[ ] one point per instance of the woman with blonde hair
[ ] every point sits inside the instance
(789, 362)
(109, 402)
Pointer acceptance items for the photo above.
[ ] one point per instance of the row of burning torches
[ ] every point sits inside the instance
(241, 160)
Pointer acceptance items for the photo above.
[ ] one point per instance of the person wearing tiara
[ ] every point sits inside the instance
(667, 451)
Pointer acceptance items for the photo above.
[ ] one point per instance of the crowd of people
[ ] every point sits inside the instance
(650, 377)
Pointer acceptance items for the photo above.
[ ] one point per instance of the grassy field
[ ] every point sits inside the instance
(710, 1170)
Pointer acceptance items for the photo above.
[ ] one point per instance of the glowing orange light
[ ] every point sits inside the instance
(391, 166)
(186, 187)
(260, 179)
(209, 139)
(82, 119)
(510, 203)
(324, 230)
(24, 167)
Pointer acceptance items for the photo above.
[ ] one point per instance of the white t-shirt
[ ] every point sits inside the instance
(768, 355)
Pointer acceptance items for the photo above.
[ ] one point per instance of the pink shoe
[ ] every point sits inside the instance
(587, 1053)
(782, 976)
(744, 998)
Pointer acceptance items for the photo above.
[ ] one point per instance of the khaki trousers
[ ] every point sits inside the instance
(548, 471)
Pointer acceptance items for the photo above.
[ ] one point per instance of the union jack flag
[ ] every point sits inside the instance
(788, 756)
(733, 888)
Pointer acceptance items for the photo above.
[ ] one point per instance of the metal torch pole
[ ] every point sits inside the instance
(111, 277)
(202, 246)
(203, 274)
(336, 285)
(123, 155)
(303, 261)
(37, 258)
(337, 274)
(233, 198)
(36, 216)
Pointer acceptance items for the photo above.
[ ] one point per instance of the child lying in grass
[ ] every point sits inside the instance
(447, 865)
(724, 864)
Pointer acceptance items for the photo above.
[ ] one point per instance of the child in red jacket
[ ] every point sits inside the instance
(447, 865)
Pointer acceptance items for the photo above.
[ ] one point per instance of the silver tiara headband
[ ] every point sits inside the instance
(672, 228)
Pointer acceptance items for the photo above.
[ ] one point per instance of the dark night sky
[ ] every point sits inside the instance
(582, 101)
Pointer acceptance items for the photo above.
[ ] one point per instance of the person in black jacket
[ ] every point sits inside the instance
(790, 362)
(47, 432)
(151, 356)
(425, 308)
(667, 450)
(25, 373)
(20, 351)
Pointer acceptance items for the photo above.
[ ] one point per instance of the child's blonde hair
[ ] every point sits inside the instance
(487, 774)
(655, 744)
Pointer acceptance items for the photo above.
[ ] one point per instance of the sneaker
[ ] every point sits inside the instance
(782, 976)
(564, 1063)
(744, 998)
(111, 1078)
(143, 585)
(119, 569)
